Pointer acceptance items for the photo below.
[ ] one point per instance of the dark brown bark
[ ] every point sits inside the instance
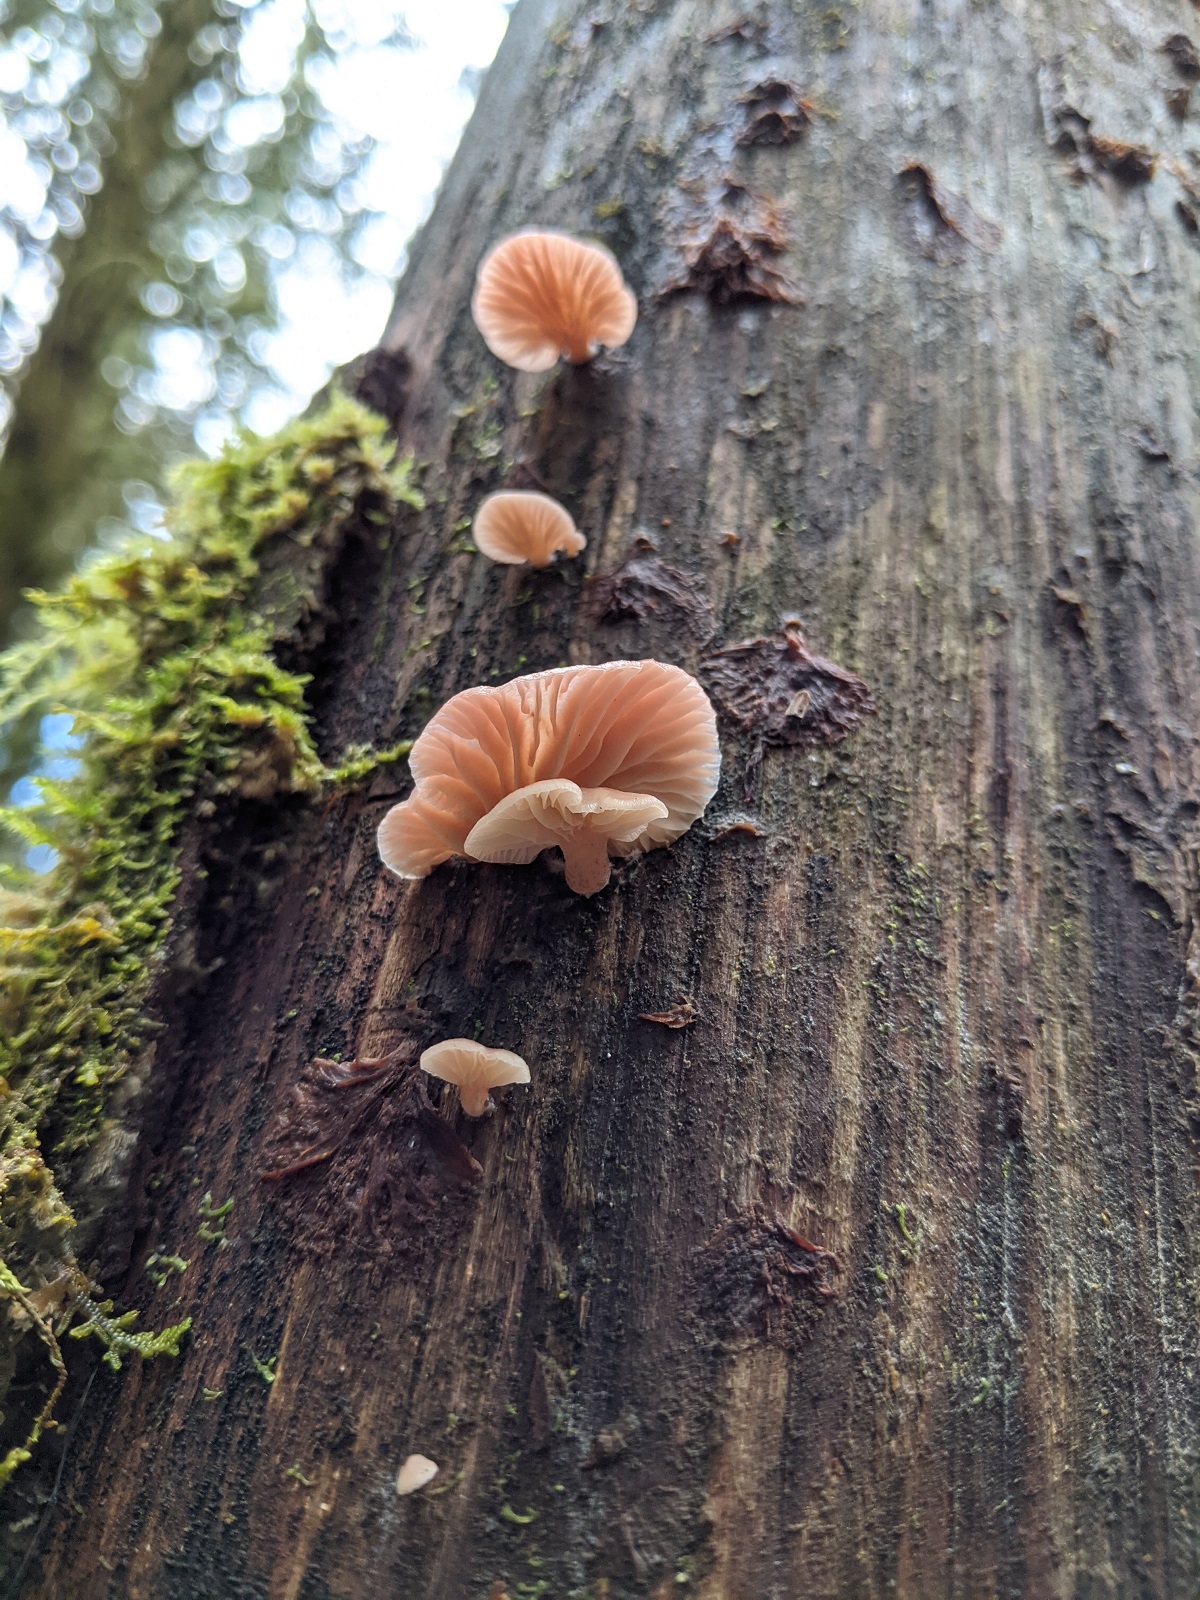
(877, 1276)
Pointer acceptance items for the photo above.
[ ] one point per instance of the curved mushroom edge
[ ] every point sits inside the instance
(643, 729)
(541, 295)
(515, 527)
(475, 1069)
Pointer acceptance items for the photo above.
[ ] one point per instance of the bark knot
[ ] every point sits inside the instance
(765, 1275)
(941, 224)
(776, 112)
(1090, 155)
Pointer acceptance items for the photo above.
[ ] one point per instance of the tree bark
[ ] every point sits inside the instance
(878, 1276)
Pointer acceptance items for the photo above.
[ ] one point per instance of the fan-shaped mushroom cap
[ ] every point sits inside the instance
(519, 525)
(475, 1068)
(539, 296)
(641, 729)
(415, 1473)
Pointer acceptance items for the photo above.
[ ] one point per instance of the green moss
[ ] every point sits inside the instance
(159, 1267)
(114, 1333)
(519, 1519)
(265, 1369)
(901, 1214)
(162, 654)
(360, 762)
(212, 1228)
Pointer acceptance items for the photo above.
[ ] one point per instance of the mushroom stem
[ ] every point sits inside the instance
(585, 852)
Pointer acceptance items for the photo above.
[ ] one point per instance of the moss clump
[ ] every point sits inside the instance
(162, 654)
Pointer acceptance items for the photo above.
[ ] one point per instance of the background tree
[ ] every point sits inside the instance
(877, 1276)
(166, 162)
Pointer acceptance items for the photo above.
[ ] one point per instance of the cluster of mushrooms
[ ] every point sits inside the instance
(598, 761)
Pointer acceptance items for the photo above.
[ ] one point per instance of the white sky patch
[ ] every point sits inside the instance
(400, 73)
(413, 102)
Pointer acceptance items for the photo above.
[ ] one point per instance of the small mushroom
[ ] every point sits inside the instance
(515, 526)
(415, 1473)
(539, 296)
(601, 761)
(475, 1069)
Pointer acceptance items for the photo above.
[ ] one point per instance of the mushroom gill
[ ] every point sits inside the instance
(584, 823)
(542, 295)
(517, 525)
(621, 735)
(475, 1069)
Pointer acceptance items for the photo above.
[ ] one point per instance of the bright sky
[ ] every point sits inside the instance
(413, 104)
(411, 101)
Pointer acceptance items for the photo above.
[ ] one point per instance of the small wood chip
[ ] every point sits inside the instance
(416, 1472)
(678, 1016)
(739, 825)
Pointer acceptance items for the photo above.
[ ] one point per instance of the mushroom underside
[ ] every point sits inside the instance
(589, 826)
(638, 738)
(475, 1069)
(541, 295)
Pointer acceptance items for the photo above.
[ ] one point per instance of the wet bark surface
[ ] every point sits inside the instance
(877, 1274)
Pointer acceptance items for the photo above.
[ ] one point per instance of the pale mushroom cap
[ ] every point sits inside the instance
(587, 824)
(475, 1069)
(542, 295)
(415, 1473)
(642, 727)
(518, 525)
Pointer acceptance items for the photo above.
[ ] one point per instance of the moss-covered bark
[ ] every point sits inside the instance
(166, 656)
(878, 1276)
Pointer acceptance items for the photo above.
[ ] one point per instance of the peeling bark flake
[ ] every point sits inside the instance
(729, 239)
(644, 588)
(679, 1015)
(360, 1156)
(781, 690)
(941, 224)
(1130, 163)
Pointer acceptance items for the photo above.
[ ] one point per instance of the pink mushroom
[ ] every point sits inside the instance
(515, 526)
(539, 296)
(475, 1069)
(600, 761)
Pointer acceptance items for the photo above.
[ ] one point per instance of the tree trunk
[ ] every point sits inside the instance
(944, 969)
